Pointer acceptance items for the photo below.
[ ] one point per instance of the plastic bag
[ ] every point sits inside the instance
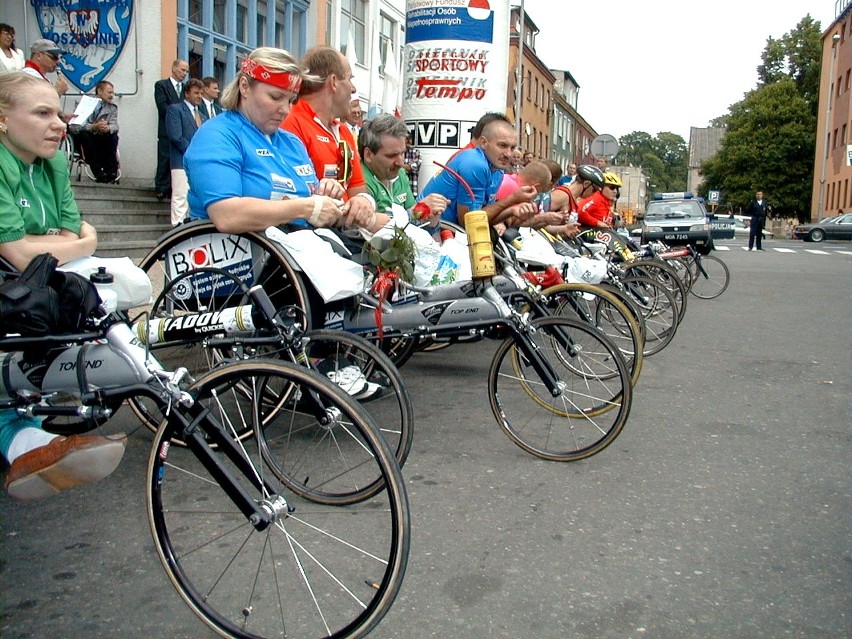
(131, 284)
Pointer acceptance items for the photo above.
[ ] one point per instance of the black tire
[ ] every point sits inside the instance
(606, 312)
(251, 257)
(816, 235)
(714, 279)
(318, 570)
(658, 308)
(592, 406)
(663, 272)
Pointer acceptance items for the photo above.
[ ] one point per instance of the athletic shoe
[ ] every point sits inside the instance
(63, 463)
(349, 377)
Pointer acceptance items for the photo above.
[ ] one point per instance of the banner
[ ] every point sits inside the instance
(91, 32)
(455, 70)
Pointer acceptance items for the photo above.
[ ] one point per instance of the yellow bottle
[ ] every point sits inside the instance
(479, 242)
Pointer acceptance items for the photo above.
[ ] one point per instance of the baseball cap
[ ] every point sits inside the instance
(43, 45)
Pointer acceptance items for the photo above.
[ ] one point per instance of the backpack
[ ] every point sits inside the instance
(43, 301)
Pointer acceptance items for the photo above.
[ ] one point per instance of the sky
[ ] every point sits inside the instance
(662, 65)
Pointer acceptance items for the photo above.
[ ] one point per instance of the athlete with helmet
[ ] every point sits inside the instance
(595, 211)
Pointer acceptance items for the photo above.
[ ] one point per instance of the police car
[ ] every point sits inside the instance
(677, 219)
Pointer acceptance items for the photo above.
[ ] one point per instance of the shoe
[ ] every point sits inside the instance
(348, 377)
(62, 464)
(759, 249)
(161, 196)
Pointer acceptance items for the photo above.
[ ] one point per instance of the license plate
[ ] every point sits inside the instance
(676, 236)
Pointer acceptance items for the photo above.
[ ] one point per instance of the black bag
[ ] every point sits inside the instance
(43, 301)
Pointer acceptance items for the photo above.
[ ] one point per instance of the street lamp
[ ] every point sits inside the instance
(821, 208)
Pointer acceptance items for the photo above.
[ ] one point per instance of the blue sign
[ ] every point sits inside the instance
(473, 22)
(92, 33)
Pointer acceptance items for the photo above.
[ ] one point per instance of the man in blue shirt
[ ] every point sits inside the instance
(473, 176)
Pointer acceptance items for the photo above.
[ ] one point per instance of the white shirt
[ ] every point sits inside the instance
(15, 63)
(209, 104)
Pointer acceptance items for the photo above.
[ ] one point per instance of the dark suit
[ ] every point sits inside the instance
(217, 109)
(757, 211)
(180, 127)
(164, 95)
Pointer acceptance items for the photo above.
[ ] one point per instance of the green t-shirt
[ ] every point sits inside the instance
(35, 199)
(399, 192)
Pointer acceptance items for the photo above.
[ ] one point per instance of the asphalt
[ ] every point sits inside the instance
(722, 510)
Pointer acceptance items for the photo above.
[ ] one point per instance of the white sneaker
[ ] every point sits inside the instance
(349, 378)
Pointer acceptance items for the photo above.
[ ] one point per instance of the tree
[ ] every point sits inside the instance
(768, 145)
(663, 158)
(771, 134)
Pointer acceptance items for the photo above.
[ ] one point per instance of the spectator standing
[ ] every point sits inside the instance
(166, 92)
(411, 163)
(97, 137)
(757, 209)
(210, 106)
(570, 175)
(355, 118)
(38, 215)
(601, 162)
(11, 57)
(182, 121)
(44, 59)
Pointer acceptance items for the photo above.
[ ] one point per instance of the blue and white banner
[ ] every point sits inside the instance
(91, 32)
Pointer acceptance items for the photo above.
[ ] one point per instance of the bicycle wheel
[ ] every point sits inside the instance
(658, 308)
(606, 312)
(591, 407)
(251, 257)
(318, 570)
(711, 279)
(386, 397)
(665, 274)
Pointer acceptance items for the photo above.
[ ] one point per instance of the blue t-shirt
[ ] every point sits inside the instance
(230, 157)
(483, 179)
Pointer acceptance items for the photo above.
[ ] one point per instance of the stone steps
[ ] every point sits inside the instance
(129, 218)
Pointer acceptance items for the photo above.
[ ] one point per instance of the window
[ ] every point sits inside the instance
(387, 36)
(353, 20)
(214, 35)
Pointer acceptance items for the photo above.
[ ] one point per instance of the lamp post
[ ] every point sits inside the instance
(821, 207)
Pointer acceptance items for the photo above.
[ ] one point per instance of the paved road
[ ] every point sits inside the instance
(721, 511)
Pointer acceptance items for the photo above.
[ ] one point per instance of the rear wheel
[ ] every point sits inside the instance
(817, 235)
(712, 279)
(318, 569)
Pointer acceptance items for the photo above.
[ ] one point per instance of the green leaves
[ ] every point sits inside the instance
(392, 254)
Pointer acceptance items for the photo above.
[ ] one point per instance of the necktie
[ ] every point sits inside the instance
(179, 88)
(197, 117)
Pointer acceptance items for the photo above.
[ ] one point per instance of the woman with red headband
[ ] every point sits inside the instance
(247, 174)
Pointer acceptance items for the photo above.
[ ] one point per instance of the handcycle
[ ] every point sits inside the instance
(557, 386)
(253, 550)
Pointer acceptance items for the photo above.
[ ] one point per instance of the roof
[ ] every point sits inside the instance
(704, 143)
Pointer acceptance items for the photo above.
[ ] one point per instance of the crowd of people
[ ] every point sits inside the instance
(285, 145)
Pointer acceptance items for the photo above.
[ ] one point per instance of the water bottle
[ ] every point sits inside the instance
(479, 241)
(103, 282)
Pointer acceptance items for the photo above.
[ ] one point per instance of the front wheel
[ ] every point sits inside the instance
(317, 570)
(710, 277)
(592, 400)
(817, 235)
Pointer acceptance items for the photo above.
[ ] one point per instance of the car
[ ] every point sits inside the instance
(722, 227)
(677, 219)
(838, 227)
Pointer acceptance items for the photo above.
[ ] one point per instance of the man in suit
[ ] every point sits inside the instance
(758, 209)
(182, 121)
(210, 106)
(166, 92)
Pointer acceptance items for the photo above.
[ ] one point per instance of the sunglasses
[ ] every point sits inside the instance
(53, 56)
(344, 164)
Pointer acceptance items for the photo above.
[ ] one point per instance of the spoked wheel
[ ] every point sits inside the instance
(606, 312)
(658, 308)
(318, 570)
(712, 279)
(203, 290)
(662, 272)
(379, 387)
(593, 399)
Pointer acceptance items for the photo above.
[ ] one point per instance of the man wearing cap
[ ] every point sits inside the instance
(44, 59)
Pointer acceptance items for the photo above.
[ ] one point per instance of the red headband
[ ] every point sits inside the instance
(280, 79)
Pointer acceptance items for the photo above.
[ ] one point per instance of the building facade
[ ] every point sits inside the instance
(832, 183)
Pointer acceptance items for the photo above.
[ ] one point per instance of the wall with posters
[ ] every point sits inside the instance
(454, 71)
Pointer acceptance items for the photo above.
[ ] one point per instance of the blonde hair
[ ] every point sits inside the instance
(13, 88)
(277, 60)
